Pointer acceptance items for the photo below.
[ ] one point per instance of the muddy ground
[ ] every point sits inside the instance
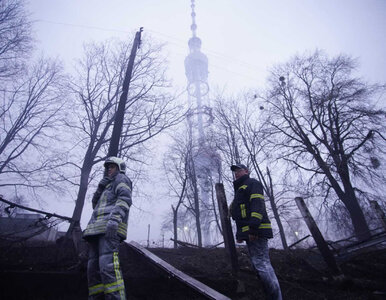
(53, 271)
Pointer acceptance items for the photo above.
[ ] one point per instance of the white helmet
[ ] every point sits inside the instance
(117, 161)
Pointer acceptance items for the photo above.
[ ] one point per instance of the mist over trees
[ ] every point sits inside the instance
(315, 130)
(15, 38)
(323, 120)
(31, 95)
(150, 109)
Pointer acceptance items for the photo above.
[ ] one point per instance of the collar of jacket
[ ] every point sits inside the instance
(239, 182)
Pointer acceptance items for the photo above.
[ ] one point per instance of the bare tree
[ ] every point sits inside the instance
(150, 108)
(15, 37)
(30, 115)
(175, 167)
(242, 123)
(181, 174)
(323, 120)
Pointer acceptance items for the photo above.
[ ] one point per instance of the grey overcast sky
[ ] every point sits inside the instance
(242, 38)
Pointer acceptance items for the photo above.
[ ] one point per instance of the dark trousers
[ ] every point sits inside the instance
(259, 254)
(103, 271)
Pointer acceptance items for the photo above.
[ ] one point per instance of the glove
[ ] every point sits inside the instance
(104, 182)
(101, 186)
(111, 229)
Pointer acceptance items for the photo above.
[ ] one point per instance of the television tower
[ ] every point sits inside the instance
(206, 161)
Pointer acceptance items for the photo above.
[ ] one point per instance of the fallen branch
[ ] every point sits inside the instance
(49, 215)
(185, 244)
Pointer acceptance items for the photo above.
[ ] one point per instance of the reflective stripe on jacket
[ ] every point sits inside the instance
(248, 209)
(114, 203)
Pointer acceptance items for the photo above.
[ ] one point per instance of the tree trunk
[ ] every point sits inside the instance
(347, 196)
(350, 200)
(197, 211)
(84, 177)
(175, 227)
(359, 222)
(278, 222)
(275, 211)
(218, 221)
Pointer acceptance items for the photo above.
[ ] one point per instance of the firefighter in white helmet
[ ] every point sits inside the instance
(106, 229)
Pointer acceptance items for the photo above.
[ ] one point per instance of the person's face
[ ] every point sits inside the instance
(111, 169)
(240, 172)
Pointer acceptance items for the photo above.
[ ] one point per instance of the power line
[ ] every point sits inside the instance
(177, 41)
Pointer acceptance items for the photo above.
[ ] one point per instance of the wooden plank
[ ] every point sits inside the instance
(184, 278)
(375, 240)
(318, 237)
(226, 227)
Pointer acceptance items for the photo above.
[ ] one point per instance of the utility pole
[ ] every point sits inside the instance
(119, 115)
(75, 229)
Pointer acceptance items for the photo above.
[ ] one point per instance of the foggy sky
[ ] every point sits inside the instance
(242, 39)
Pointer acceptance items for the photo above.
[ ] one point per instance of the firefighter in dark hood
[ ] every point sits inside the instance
(253, 226)
(106, 229)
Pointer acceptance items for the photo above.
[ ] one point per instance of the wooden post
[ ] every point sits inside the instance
(380, 213)
(318, 237)
(226, 227)
(148, 235)
(118, 122)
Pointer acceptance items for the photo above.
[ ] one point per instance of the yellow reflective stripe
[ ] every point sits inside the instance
(122, 228)
(122, 184)
(113, 283)
(119, 284)
(257, 215)
(243, 211)
(123, 203)
(96, 289)
(256, 196)
(122, 231)
(265, 225)
(116, 266)
(245, 228)
(117, 218)
(101, 209)
(119, 288)
(243, 187)
(114, 286)
(98, 225)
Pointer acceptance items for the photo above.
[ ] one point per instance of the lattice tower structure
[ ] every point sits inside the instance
(206, 160)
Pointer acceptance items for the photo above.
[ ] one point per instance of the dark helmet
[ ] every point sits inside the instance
(117, 161)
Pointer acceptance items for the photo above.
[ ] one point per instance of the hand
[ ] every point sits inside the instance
(252, 237)
(104, 182)
(111, 229)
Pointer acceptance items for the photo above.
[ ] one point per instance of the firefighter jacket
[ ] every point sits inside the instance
(114, 203)
(248, 209)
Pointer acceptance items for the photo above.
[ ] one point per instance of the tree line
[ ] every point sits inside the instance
(316, 130)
